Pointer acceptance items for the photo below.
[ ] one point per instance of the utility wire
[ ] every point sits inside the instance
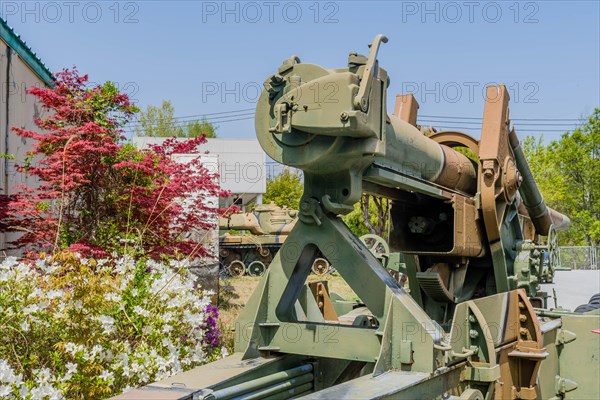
(512, 119)
(476, 129)
(447, 121)
(215, 113)
(199, 117)
(180, 122)
(220, 122)
(479, 123)
(215, 120)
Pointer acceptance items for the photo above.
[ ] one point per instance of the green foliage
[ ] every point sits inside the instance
(88, 329)
(370, 215)
(355, 220)
(197, 128)
(285, 189)
(158, 122)
(161, 122)
(568, 174)
(96, 191)
(467, 152)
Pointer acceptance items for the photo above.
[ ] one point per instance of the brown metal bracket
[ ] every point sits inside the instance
(320, 292)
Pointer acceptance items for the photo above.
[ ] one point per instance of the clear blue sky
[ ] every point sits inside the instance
(547, 52)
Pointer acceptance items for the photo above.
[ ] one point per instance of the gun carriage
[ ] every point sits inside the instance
(472, 322)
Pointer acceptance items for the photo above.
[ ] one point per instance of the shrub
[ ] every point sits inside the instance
(80, 328)
(95, 191)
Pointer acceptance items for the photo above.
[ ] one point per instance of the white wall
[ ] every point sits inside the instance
(241, 164)
(22, 109)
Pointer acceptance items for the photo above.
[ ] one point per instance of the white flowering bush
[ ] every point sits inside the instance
(78, 328)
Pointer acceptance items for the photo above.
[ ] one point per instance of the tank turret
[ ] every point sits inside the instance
(265, 219)
(262, 232)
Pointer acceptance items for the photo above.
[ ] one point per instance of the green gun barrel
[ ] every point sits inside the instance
(333, 124)
(542, 216)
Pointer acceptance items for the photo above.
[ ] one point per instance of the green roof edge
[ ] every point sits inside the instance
(15, 42)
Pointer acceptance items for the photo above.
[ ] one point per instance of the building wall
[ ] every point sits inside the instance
(241, 166)
(206, 269)
(17, 109)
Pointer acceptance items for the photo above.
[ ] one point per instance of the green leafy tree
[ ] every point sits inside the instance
(568, 174)
(158, 122)
(196, 128)
(355, 220)
(370, 215)
(97, 195)
(161, 122)
(284, 189)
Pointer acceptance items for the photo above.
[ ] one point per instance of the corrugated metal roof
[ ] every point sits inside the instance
(15, 42)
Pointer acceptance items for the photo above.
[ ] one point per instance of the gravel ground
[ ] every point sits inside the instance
(573, 288)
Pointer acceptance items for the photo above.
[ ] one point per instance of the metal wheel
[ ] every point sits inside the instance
(256, 268)
(587, 308)
(264, 252)
(553, 256)
(236, 268)
(594, 299)
(224, 253)
(377, 246)
(471, 394)
(553, 247)
(320, 266)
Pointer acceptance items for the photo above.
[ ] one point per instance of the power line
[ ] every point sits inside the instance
(216, 113)
(180, 120)
(476, 129)
(572, 125)
(512, 119)
(197, 117)
(479, 123)
(219, 120)
(448, 121)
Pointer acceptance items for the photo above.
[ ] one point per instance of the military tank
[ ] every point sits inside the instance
(264, 231)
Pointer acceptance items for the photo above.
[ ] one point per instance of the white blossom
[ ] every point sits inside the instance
(168, 341)
(107, 375)
(5, 390)
(71, 369)
(112, 296)
(108, 323)
(141, 311)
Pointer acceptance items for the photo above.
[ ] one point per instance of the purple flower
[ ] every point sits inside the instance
(212, 335)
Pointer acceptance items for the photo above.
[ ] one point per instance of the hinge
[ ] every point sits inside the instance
(564, 385)
(480, 372)
(564, 336)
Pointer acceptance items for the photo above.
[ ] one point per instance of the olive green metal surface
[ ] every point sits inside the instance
(472, 324)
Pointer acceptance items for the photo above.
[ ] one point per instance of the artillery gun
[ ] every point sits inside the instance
(475, 323)
(392, 261)
(267, 226)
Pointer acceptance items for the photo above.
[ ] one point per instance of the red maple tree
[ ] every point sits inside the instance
(98, 194)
